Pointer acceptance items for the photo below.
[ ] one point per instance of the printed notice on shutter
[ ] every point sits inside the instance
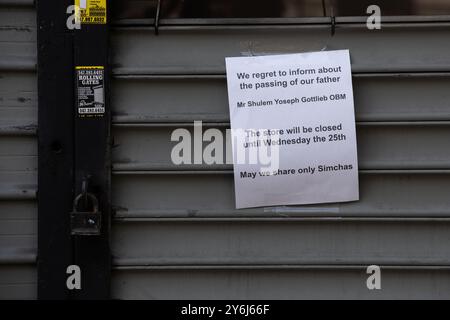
(293, 129)
(90, 11)
(90, 91)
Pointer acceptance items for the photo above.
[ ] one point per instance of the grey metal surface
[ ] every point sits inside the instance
(177, 233)
(18, 230)
(279, 283)
(18, 281)
(17, 38)
(278, 242)
(399, 145)
(18, 150)
(382, 97)
(396, 48)
(18, 106)
(211, 194)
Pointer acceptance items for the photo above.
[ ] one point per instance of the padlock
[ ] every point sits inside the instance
(84, 223)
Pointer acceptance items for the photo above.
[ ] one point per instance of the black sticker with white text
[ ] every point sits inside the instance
(90, 92)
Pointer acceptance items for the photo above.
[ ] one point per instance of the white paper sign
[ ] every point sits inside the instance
(293, 129)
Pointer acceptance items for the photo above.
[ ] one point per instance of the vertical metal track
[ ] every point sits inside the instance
(70, 149)
(55, 130)
(92, 159)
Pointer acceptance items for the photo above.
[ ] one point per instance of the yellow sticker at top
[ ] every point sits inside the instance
(89, 67)
(90, 11)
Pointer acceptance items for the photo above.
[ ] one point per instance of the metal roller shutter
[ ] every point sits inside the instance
(176, 233)
(18, 150)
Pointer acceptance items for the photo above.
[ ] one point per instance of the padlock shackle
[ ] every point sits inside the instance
(88, 195)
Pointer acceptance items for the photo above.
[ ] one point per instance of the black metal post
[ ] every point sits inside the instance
(70, 148)
(92, 149)
(55, 170)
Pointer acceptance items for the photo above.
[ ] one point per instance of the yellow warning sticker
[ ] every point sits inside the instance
(89, 67)
(90, 11)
